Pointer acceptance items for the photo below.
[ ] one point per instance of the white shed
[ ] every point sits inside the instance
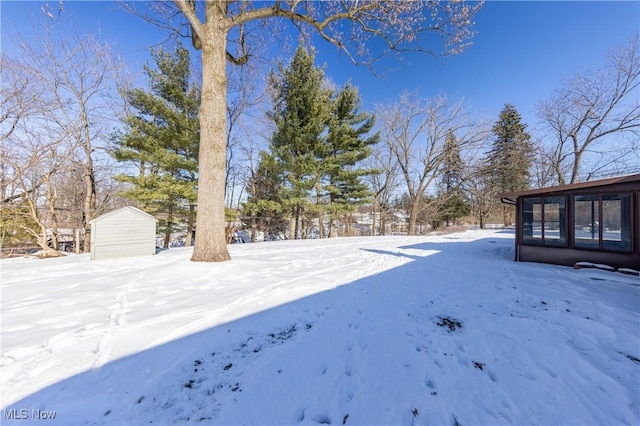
(123, 233)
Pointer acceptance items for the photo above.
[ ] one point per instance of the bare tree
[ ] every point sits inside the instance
(225, 32)
(63, 88)
(29, 153)
(542, 170)
(594, 106)
(20, 96)
(415, 131)
(479, 192)
(77, 73)
(383, 184)
(246, 98)
(33, 161)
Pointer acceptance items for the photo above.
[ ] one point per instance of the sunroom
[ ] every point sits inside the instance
(588, 222)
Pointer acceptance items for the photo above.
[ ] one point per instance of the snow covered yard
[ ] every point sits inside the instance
(388, 330)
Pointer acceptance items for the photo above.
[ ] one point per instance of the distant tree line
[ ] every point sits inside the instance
(78, 140)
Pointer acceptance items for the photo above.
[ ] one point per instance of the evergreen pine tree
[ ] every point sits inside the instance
(320, 139)
(511, 155)
(17, 226)
(161, 138)
(264, 209)
(300, 115)
(452, 204)
(347, 144)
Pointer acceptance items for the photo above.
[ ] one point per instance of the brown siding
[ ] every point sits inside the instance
(569, 255)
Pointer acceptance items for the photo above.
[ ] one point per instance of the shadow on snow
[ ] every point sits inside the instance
(162, 380)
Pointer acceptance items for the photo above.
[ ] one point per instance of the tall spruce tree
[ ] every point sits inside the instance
(511, 155)
(451, 200)
(300, 114)
(347, 144)
(161, 138)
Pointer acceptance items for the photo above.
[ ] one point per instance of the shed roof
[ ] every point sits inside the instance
(130, 208)
(563, 188)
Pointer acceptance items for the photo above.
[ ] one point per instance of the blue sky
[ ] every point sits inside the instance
(520, 52)
(519, 55)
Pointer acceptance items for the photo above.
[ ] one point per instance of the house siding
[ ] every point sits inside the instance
(123, 233)
(569, 254)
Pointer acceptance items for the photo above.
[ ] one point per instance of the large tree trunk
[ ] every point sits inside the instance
(210, 244)
(413, 218)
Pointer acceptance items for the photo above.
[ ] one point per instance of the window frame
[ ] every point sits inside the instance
(628, 217)
(563, 220)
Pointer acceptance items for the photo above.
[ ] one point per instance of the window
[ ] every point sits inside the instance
(532, 220)
(587, 221)
(544, 221)
(603, 222)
